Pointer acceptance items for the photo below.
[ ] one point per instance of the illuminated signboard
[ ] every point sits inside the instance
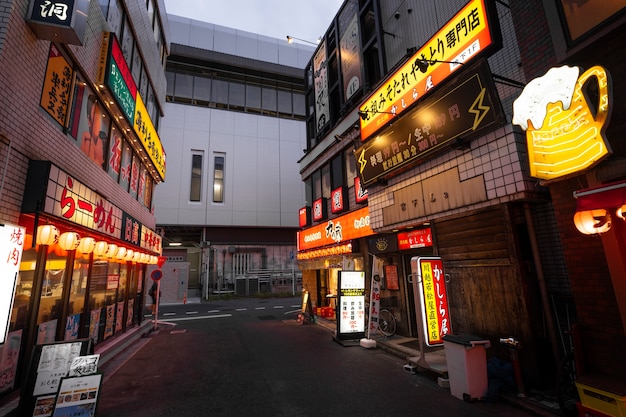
(563, 134)
(117, 77)
(149, 137)
(462, 110)
(415, 239)
(350, 226)
(319, 209)
(11, 246)
(351, 305)
(338, 200)
(467, 35)
(360, 193)
(304, 216)
(433, 297)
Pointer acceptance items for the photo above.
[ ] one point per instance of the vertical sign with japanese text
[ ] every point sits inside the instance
(320, 77)
(55, 97)
(351, 304)
(433, 297)
(11, 246)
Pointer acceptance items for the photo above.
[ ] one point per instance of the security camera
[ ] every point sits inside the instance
(397, 15)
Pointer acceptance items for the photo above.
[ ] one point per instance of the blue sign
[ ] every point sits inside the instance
(156, 275)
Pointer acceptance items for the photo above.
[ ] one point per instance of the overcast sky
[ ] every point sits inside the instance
(305, 19)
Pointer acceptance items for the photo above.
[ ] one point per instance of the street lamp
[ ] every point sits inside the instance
(290, 39)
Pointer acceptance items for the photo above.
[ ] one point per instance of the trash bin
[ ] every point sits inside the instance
(467, 365)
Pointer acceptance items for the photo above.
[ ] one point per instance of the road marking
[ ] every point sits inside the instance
(213, 311)
(169, 314)
(218, 316)
(191, 312)
(293, 311)
(279, 307)
(297, 305)
(259, 308)
(241, 309)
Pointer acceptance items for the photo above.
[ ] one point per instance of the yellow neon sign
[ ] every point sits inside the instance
(563, 135)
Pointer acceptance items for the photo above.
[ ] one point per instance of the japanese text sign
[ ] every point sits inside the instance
(462, 111)
(351, 303)
(115, 74)
(11, 246)
(350, 226)
(415, 239)
(433, 297)
(56, 86)
(463, 38)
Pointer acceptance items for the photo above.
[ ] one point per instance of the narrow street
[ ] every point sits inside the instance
(252, 357)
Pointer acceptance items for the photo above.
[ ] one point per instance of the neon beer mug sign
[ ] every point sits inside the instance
(563, 134)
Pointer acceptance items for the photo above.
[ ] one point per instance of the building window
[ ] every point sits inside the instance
(218, 179)
(195, 190)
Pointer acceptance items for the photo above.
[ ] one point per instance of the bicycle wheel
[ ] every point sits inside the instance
(386, 322)
(566, 391)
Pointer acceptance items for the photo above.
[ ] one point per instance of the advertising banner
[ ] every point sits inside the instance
(351, 305)
(429, 279)
(11, 246)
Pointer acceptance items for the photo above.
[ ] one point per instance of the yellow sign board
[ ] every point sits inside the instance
(148, 135)
(563, 134)
(465, 36)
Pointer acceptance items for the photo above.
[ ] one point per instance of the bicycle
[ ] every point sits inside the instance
(386, 322)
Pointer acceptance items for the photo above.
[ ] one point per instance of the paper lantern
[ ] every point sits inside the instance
(69, 240)
(129, 255)
(137, 257)
(111, 251)
(621, 212)
(121, 253)
(47, 235)
(101, 248)
(86, 245)
(591, 222)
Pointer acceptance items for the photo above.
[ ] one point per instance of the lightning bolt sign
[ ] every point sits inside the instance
(476, 108)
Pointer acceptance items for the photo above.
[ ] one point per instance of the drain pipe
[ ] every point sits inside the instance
(545, 302)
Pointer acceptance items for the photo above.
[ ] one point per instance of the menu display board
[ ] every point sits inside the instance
(351, 305)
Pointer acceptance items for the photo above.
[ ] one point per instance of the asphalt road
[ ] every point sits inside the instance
(252, 358)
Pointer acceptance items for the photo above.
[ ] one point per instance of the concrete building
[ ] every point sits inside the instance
(81, 96)
(234, 132)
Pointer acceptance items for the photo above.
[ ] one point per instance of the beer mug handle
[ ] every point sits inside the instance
(603, 80)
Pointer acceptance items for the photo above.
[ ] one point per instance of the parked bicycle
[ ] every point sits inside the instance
(387, 322)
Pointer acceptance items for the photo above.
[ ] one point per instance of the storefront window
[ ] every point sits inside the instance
(97, 299)
(51, 303)
(24, 287)
(78, 287)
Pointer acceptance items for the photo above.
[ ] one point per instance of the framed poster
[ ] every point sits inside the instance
(391, 277)
(78, 396)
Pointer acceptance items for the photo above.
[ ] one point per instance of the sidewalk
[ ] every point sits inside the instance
(434, 363)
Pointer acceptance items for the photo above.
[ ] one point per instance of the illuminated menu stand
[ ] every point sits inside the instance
(350, 308)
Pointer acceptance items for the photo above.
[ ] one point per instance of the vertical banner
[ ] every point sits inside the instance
(11, 246)
(351, 305)
(349, 49)
(433, 299)
(377, 273)
(320, 75)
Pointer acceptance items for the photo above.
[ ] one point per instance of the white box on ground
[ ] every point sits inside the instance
(467, 365)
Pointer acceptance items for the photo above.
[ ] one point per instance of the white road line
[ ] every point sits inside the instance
(241, 309)
(169, 314)
(259, 308)
(293, 311)
(297, 305)
(191, 312)
(213, 311)
(277, 307)
(217, 316)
